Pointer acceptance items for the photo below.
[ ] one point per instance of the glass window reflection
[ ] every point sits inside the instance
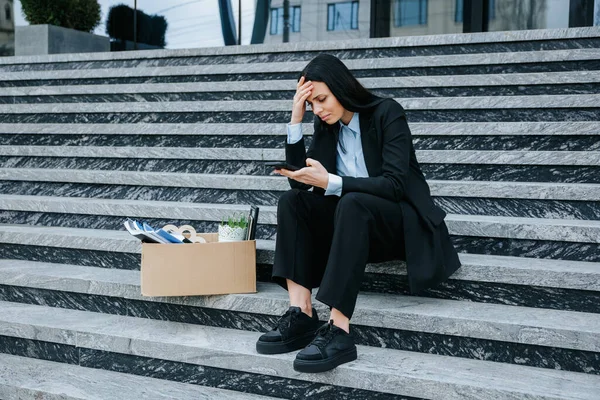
(277, 23)
(411, 12)
(342, 16)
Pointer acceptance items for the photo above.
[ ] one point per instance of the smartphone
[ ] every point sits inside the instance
(281, 165)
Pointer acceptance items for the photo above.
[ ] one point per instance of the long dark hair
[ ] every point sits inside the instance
(351, 94)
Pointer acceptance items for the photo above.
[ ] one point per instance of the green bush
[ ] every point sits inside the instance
(83, 15)
(151, 29)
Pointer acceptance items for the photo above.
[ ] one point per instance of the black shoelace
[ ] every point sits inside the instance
(324, 335)
(285, 322)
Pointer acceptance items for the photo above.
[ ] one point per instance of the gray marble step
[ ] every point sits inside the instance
(579, 231)
(486, 189)
(541, 35)
(477, 157)
(541, 283)
(528, 237)
(27, 378)
(451, 171)
(547, 78)
(425, 103)
(548, 136)
(561, 129)
(380, 320)
(103, 71)
(102, 340)
(447, 317)
(508, 201)
(575, 240)
(476, 267)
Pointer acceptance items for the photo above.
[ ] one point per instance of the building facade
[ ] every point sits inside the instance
(7, 28)
(312, 20)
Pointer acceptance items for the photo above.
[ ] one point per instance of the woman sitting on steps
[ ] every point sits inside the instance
(369, 203)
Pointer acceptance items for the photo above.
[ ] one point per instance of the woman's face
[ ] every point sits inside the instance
(325, 105)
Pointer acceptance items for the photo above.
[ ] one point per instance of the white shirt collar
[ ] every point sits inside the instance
(354, 123)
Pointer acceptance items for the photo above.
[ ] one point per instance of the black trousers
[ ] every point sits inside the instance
(326, 242)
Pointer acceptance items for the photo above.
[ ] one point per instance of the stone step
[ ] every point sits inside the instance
(438, 103)
(479, 269)
(574, 158)
(436, 316)
(510, 172)
(430, 92)
(476, 267)
(285, 87)
(470, 43)
(510, 190)
(576, 240)
(541, 283)
(99, 341)
(427, 136)
(508, 199)
(525, 136)
(27, 378)
(425, 109)
(473, 205)
(493, 129)
(532, 142)
(532, 112)
(471, 225)
(455, 165)
(490, 61)
(447, 327)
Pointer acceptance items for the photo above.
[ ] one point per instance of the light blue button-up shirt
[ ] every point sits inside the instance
(351, 163)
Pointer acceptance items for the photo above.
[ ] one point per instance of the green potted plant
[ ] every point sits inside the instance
(59, 26)
(233, 229)
(81, 15)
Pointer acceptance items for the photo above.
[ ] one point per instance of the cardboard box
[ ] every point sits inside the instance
(199, 268)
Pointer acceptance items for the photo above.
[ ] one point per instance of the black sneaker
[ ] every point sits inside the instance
(331, 347)
(294, 331)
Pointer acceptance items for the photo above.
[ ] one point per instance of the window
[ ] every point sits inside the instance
(458, 16)
(277, 20)
(7, 12)
(492, 9)
(411, 12)
(342, 16)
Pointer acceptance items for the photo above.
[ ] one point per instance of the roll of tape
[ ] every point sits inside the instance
(186, 231)
(191, 232)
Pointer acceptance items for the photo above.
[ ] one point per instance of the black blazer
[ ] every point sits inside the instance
(394, 174)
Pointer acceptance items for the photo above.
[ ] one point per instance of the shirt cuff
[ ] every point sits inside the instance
(294, 133)
(334, 186)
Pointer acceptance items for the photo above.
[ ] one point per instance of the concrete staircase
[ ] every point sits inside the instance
(506, 127)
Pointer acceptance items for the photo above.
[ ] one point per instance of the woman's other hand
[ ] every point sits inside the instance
(314, 174)
(303, 90)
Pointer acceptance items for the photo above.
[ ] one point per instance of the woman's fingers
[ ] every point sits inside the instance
(304, 85)
(302, 96)
(303, 92)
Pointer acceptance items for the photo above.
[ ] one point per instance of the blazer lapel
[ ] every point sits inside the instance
(368, 139)
(329, 153)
